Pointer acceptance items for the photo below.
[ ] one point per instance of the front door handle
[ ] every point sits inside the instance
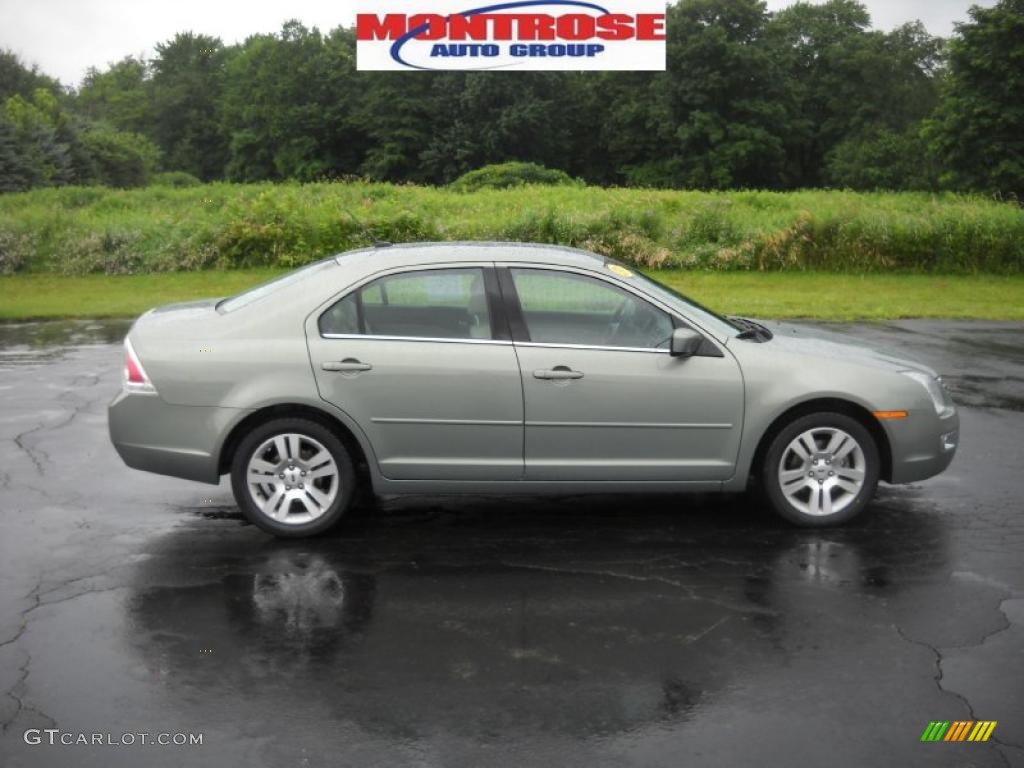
(558, 373)
(348, 365)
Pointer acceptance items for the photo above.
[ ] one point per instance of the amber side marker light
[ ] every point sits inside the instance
(890, 414)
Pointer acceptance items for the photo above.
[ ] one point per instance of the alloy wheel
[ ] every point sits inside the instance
(292, 478)
(821, 471)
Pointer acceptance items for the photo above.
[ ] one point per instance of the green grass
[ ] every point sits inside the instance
(816, 295)
(80, 230)
(831, 296)
(51, 296)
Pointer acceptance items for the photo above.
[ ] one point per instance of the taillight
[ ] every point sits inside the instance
(135, 378)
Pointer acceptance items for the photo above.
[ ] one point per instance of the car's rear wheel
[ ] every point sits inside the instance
(821, 469)
(292, 477)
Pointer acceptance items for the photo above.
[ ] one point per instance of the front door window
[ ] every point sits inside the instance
(567, 308)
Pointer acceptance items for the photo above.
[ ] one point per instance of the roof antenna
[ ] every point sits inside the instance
(370, 236)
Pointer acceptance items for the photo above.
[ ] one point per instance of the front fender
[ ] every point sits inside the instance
(778, 381)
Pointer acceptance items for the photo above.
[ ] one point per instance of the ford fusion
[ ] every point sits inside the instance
(512, 368)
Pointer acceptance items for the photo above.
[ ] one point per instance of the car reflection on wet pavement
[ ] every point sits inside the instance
(590, 630)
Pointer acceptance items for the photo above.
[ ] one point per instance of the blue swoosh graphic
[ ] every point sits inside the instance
(396, 49)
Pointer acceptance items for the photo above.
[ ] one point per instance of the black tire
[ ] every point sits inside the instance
(769, 470)
(346, 474)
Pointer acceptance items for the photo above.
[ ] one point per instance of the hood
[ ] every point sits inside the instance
(815, 342)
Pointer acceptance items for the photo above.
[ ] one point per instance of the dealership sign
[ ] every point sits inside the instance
(518, 35)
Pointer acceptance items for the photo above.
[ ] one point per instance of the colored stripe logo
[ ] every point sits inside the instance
(959, 730)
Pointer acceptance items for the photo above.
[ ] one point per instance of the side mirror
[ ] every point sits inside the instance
(685, 342)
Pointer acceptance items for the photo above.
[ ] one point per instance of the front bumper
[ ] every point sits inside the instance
(177, 440)
(923, 445)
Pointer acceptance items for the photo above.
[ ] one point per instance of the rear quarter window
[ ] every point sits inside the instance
(263, 290)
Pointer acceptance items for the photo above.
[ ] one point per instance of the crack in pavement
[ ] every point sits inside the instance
(939, 674)
(11, 692)
(36, 596)
(28, 451)
(75, 409)
(68, 582)
(19, 701)
(687, 588)
(37, 455)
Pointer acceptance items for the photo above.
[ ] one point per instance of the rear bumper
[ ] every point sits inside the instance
(177, 440)
(923, 445)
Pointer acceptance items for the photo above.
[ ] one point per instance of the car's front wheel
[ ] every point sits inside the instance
(292, 477)
(821, 469)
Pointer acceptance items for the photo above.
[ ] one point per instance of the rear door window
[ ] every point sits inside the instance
(435, 303)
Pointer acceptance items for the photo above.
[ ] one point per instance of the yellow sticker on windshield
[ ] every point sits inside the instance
(619, 270)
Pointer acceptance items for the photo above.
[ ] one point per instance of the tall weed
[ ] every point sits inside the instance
(167, 227)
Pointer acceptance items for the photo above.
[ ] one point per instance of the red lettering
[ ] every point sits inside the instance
(502, 29)
(472, 27)
(509, 26)
(615, 26)
(650, 26)
(538, 26)
(575, 26)
(436, 25)
(369, 26)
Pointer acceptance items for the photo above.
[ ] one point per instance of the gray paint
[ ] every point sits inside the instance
(450, 416)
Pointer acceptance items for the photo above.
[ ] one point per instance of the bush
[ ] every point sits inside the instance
(15, 251)
(119, 158)
(174, 179)
(505, 175)
(111, 252)
(882, 160)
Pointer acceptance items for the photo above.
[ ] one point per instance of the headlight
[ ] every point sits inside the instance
(937, 392)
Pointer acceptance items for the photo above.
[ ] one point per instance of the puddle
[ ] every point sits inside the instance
(43, 341)
(1005, 392)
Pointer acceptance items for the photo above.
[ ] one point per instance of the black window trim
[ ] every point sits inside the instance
(360, 317)
(513, 308)
(501, 329)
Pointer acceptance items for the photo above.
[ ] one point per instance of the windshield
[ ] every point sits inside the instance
(269, 287)
(706, 316)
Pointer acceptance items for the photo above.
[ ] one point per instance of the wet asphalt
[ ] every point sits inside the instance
(588, 631)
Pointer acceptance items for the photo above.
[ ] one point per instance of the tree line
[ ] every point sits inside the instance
(809, 96)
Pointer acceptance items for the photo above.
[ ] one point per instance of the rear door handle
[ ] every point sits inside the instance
(348, 365)
(558, 373)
